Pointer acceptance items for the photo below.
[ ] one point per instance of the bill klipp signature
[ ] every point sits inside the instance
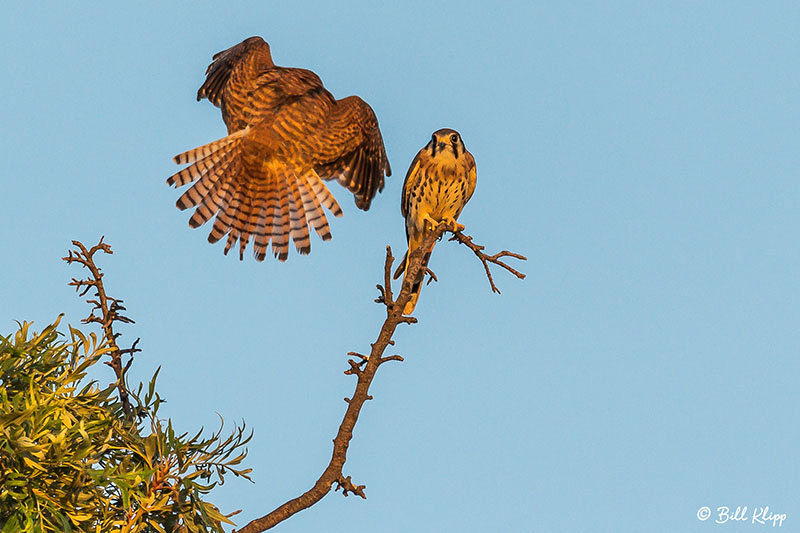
(756, 515)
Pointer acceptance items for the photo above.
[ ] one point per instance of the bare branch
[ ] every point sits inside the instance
(109, 312)
(394, 317)
(385, 290)
(466, 240)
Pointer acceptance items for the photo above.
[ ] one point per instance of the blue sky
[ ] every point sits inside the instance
(644, 157)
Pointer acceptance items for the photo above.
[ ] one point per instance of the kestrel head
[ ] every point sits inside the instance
(446, 142)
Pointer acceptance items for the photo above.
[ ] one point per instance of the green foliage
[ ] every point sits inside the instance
(70, 461)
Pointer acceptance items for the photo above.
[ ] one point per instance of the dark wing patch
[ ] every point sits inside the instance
(350, 149)
(405, 199)
(219, 71)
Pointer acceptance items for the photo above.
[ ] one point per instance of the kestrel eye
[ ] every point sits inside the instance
(454, 138)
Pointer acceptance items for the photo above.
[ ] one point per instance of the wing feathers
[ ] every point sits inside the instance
(324, 195)
(253, 51)
(263, 182)
(351, 150)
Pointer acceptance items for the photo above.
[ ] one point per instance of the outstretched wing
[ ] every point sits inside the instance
(263, 182)
(349, 148)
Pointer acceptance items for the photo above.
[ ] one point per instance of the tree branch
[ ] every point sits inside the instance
(109, 309)
(466, 240)
(394, 317)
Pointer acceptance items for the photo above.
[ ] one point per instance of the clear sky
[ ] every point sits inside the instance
(644, 157)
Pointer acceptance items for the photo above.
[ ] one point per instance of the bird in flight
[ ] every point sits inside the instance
(286, 133)
(439, 183)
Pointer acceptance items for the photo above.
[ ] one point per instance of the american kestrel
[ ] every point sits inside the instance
(438, 185)
(286, 133)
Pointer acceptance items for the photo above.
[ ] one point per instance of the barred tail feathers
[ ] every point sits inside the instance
(274, 208)
(297, 218)
(314, 212)
(201, 152)
(414, 242)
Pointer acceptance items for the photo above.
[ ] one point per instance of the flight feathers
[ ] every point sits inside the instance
(287, 133)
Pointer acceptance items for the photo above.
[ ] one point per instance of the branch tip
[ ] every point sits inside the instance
(477, 249)
(108, 309)
(359, 355)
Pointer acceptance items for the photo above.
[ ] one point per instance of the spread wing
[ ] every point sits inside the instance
(263, 182)
(349, 148)
(258, 181)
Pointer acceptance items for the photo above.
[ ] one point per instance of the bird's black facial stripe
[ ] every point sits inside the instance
(432, 144)
(454, 144)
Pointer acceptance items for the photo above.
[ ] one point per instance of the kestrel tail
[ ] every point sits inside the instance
(286, 133)
(438, 185)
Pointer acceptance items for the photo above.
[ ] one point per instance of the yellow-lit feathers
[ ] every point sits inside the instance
(286, 133)
(439, 183)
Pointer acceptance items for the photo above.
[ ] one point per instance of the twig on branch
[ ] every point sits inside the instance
(466, 240)
(347, 486)
(109, 312)
(370, 363)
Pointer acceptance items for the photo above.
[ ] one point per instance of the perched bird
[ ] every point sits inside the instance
(438, 185)
(286, 133)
